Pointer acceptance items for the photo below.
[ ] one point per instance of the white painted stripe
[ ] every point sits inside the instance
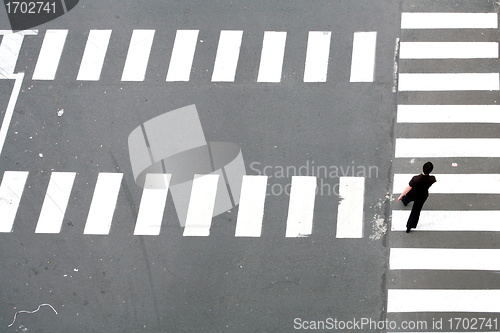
(448, 81)
(447, 148)
(445, 259)
(271, 59)
(154, 198)
(11, 190)
(350, 213)
(455, 183)
(201, 205)
(449, 21)
(301, 206)
(181, 61)
(318, 52)
(24, 32)
(10, 107)
(103, 204)
(448, 114)
(9, 52)
(448, 50)
(55, 203)
(449, 220)
(363, 56)
(251, 209)
(94, 54)
(443, 300)
(228, 52)
(138, 55)
(50, 54)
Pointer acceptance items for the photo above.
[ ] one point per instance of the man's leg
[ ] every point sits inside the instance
(415, 214)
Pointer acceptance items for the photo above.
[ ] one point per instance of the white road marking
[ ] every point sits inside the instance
(448, 81)
(318, 52)
(201, 205)
(447, 148)
(444, 259)
(443, 300)
(55, 202)
(228, 53)
(350, 211)
(181, 61)
(395, 66)
(448, 50)
(152, 206)
(138, 55)
(11, 190)
(301, 206)
(363, 56)
(94, 54)
(448, 114)
(455, 183)
(449, 220)
(103, 203)
(271, 59)
(9, 51)
(50, 54)
(251, 209)
(10, 107)
(449, 21)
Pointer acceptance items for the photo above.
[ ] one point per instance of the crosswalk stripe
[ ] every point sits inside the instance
(181, 61)
(50, 54)
(138, 55)
(443, 300)
(448, 81)
(318, 52)
(448, 50)
(455, 183)
(7, 116)
(228, 53)
(152, 206)
(350, 213)
(444, 259)
(301, 206)
(363, 56)
(103, 204)
(55, 202)
(449, 220)
(271, 59)
(11, 190)
(447, 147)
(414, 51)
(448, 114)
(201, 205)
(9, 51)
(449, 21)
(94, 54)
(251, 208)
(183, 52)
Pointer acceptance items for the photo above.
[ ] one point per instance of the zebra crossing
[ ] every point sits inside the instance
(250, 218)
(225, 64)
(419, 42)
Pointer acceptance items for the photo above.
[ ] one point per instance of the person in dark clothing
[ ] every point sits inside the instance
(417, 191)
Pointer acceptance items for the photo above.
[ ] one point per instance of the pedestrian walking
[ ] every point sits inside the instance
(417, 191)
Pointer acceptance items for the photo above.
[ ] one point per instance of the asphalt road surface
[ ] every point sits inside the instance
(334, 110)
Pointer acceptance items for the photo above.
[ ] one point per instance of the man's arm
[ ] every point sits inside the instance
(407, 189)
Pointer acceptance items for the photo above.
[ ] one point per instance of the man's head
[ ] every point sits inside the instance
(427, 168)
